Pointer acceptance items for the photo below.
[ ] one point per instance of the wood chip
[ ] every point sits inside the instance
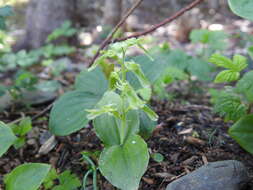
(48, 146)
(186, 131)
(195, 141)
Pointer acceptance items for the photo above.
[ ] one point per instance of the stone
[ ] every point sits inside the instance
(5, 101)
(37, 97)
(222, 175)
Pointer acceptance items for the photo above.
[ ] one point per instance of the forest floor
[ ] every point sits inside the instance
(188, 134)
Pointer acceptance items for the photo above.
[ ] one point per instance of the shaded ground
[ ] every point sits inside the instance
(188, 136)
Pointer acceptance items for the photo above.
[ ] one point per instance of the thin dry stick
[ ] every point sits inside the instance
(109, 40)
(166, 21)
(115, 29)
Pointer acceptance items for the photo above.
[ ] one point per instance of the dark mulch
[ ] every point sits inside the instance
(188, 135)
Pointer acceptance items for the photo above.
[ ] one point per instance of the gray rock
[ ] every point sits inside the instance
(37, 97)
(222, 175)
(5, 101)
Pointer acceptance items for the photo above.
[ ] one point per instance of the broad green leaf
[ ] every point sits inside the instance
(49, 86)
(146, 125)
(221, 61)
(124, 165)
(245, 86)
(7, 138)
(242, 132)
(27, 176)
(242, 8)
(68, 114)
(199, 68)
(93, 82)
(178, 59)
(108, 128)
(111, 98)
(148, 67)
(227, 76)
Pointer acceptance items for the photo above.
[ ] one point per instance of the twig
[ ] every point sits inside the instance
(115, 29)
(109, 40)
(43, 111)
(166, 21)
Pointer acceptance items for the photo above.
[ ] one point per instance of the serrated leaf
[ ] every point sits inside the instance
(48, 182)
(221, 61)
(242, 8)
(7, 138)
(68, 181)
(245, 86)
(240, 62)
(227, 76)
(242, 132)
(124, 165)
(230, 106)
(18, 178)
(68, 114)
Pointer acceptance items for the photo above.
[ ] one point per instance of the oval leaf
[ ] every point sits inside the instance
(124, 165)
(242, 8)
(27, 176)
(68, 114)
(108, 128)
(92, 82)
(242, 132)
(146, 125)
(7, 138)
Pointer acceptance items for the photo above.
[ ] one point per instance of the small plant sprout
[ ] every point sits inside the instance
(119, 112)
(235, 103)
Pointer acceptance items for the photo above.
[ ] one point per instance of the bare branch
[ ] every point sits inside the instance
(109, 40)
(166, 21)
(115, 29)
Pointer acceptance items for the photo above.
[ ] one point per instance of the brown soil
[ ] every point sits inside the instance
(188, 136)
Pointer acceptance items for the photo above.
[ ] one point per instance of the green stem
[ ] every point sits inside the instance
(123, 67)
(85, 178)
(123, 117)
(95, 187)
